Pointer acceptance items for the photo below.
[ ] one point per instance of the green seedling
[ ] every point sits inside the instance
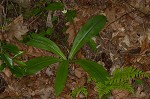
(90, 29)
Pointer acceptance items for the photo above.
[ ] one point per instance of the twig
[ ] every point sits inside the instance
(119, 18)
(35, 19)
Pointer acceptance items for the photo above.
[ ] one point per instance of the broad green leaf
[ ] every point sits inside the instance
(94, 69)
(55, 6)
(61, 77)
(90, 29)
(11, 48)
(46, 44)
(36, 64)
(20, 63)
(18, 71)
(7, 59)
(92, 44)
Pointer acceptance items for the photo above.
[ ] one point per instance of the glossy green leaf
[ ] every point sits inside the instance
(92, 44)
(90, 29)
(18, 71)
(55, 6)
(20, 63)
(36, 64)
(46, 44)
(7, 59)
(61, 77)
(11, 48)
(94, 69)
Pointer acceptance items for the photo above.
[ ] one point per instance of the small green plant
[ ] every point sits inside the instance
(9, 56)
(90, 29)
(42, 6)
(120, 80)
(78, 90)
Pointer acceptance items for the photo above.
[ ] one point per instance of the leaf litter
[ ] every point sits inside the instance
(124, 41)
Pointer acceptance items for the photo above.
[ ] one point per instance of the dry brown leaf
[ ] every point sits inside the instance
(79, 72)
(148, 72)
(126, 40)
(7, 72)
(139, 90)
(148, 34)
(82, 81)
(23, 3)
(17, 28)
(145, 44)
(49, 20)
(71, 31)
(120, 94)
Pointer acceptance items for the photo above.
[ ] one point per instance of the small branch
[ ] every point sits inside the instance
(119, 18)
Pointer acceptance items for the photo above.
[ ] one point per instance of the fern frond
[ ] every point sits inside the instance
(120, 80)
(125, 74)
(78, 90)
(104, 89)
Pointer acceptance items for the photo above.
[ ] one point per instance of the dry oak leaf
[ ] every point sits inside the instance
(120, 94)
(79, 72)
(17, 28)
(71, 30)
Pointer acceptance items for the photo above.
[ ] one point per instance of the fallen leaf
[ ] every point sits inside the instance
(82, 81)
(120, 94)
(49, 72)
(126, 40)
(71, 30)
(144, 44)
(49, 20)
(17, 28)
(7, 72)
(79, 72)
(23, 3)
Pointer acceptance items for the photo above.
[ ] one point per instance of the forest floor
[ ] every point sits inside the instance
(124, 41)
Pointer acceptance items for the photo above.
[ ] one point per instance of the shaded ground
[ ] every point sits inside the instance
(124, 41)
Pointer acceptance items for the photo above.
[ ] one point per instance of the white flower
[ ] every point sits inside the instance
(64, 11)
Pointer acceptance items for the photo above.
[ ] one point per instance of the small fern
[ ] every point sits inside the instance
(120, 80)
(104, 89)
(78, 90)
(125, 74)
